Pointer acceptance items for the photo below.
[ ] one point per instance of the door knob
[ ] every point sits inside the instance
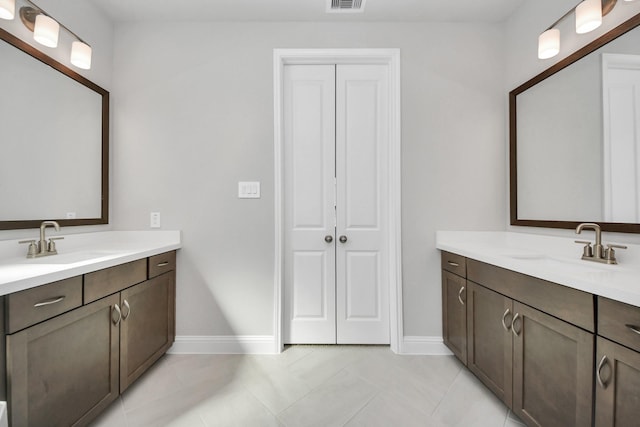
(328, 238)
(343, 239)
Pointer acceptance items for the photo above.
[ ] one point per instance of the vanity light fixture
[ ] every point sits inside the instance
(7, 9)
(588, 15)
(46, 30)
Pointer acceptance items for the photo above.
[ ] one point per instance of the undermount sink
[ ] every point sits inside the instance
(71, 258)
(563, 266)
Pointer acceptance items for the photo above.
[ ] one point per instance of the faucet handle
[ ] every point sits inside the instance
(32, 250)
(588, 250)
(610, 254)
(51, 247)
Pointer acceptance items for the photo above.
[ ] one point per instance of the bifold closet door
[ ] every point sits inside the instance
(362, 277)
(336, 181)
(309, 199)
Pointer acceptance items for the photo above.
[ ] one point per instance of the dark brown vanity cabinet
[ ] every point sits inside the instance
(67, 368)
(454, 311)
(489, 343)
(531, 342)
(617, 365)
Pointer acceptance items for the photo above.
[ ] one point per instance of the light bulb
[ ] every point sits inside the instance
(7, 9)
(588, 16)
(81, 55)
(46, 31)
(549, 43)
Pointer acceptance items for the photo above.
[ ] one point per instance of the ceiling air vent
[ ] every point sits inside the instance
(345, 6)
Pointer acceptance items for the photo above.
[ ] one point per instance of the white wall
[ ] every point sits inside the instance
(91, 25)
(194, 115)
(522, 63)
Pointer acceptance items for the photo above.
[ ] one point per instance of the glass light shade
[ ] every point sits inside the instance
(81, 55)
(549, 43)
(46, 31)
(7, 9)
(588, 16)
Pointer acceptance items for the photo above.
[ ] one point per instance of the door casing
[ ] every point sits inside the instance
(391, 58)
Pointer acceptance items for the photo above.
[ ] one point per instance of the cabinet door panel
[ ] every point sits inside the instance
(454, 314)
(147, 329)
(618, 399)
(64, 371)
(552, 370)
(489, 344)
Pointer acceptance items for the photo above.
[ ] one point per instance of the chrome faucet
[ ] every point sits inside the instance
(43, 248)
(597, 253)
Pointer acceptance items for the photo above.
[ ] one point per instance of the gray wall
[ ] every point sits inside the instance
(194, 115)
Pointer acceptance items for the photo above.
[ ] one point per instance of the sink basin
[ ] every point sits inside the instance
(70, 258)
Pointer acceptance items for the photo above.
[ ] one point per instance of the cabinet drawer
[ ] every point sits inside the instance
(31, 306)
(619, 322)
(456, 264)
(160, 264)
(105, 282)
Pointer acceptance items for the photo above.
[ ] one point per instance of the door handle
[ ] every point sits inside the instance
(343, 239)
(460, 295)
(504, 320)
(116, 315)
(603, 361)
(328, 238)
(125, 305)
(513, 325)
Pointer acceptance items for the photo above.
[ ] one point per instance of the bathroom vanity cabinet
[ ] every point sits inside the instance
(531, 342)
(73, 346)
(454, 314)
(618, 364)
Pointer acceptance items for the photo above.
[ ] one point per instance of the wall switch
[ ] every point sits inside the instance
(154, 221)
(249, 190)
(71, 215)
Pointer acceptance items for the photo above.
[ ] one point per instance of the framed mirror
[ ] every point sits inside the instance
(54, 128)
(575, 138)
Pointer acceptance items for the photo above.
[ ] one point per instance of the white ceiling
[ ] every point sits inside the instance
(307, 10)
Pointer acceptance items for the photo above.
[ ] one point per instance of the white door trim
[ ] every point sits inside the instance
(391, 57)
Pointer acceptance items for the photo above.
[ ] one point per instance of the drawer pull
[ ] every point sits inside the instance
(51, 301)
(633, 328)
(116, 315)
(504, 320)
(460, 295)
(126, 310)
(163, 264)
(513, 325)
(453, 264)
(603, 361)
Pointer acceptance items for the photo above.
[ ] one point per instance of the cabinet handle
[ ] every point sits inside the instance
(633, 328)
(125, 305)
(603, 362)
(116, 311)
(504, 320)
(53, 300)
(513, 325)
(163, 264)
(453, 264)
(460, 295)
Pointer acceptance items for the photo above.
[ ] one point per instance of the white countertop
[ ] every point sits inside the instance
(555, 259)
(79, 254)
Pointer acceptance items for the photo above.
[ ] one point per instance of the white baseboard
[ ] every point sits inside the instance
(224, 344)
(265, 344)
(430, 346)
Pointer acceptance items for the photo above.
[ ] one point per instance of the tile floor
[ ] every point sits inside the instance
(308, 386)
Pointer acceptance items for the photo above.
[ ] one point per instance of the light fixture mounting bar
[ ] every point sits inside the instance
(28, 17)
(607, 6)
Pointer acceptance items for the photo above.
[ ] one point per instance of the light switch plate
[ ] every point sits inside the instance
(249, 190)
(154, 220)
